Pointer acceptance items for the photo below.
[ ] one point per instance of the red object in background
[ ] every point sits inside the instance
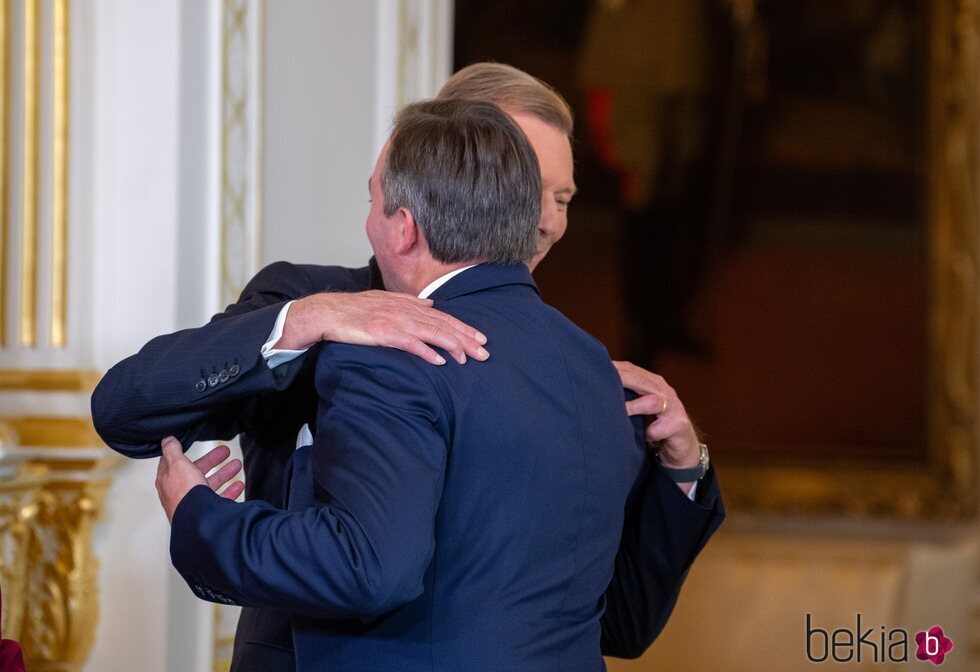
(599, 118)
(11, 657)
(598, 113)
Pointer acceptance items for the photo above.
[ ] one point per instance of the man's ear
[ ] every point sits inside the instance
(407, 231)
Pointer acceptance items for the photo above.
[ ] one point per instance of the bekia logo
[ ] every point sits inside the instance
(933, 645)
(874, 645)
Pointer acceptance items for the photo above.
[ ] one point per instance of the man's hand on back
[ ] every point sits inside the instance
(667, 424)
(380, 318)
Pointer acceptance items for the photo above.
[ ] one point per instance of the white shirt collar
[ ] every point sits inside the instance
(441, 280)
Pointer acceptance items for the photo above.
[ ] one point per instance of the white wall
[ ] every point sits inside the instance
(132, 170)
(318, 130)
(146, 192)
(335, 72)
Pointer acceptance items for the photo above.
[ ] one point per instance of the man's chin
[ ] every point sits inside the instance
(536, 259)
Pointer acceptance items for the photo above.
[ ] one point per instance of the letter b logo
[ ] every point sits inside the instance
(934, 645)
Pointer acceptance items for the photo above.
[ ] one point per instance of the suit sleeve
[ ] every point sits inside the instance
(196, 384)
(663, 533)
(363, 546)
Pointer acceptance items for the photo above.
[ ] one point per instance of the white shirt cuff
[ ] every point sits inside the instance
(694, 491)
(272, 356)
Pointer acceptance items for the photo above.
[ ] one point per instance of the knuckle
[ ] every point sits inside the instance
(403, 341)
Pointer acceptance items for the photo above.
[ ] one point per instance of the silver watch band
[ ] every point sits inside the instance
(690, 474)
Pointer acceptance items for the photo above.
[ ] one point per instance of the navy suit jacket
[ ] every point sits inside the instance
(155, 393)
(451, 518)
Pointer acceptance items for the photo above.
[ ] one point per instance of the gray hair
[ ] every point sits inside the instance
(469, 176)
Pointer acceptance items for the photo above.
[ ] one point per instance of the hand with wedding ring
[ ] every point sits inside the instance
(667, 425)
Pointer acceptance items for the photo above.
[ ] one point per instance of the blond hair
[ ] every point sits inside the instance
(514, 90)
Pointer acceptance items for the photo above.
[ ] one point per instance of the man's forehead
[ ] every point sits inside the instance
(379, 162)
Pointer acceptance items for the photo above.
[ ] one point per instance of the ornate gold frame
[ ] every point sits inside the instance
(943, 485)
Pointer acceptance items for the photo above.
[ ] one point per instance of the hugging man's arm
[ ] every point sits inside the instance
(666, 524)
(206, 382)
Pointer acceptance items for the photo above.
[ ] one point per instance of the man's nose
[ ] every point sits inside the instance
(548, 223)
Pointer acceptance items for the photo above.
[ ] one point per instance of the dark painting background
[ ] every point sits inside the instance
(802, 318)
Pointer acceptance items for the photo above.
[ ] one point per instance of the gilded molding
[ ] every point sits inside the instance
(53, 431)
(31, 178)
(62, 608)
(4, 163)
(241, 190)
(48, 380)
(944, 485)
(19, 494)
(240, 145)
(50, 500)
(59, 195)
(407, 47)
(225, 619)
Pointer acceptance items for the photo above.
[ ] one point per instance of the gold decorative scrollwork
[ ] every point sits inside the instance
(50, 500)
(62, 605)
(20, 486)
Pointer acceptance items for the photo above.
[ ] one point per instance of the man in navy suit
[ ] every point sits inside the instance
(445, 518)
(167, 389)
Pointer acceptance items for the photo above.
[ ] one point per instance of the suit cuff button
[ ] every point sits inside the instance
(223, 376)
(233, 370)
(213, 380)
(201, 385)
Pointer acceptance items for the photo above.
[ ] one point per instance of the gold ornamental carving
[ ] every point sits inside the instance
(62, 604)
(20, 487)
(50, 501)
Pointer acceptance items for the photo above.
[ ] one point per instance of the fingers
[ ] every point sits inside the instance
(459, 340)
(470, 337)
(416, 347)
(667, 428)
(212, 459)
(392, 320)
(668, 424)
(170, 448)
(463, 328)
(172, 451)
(649, 404)
(234, 490)
(640, 380)
(433, 329)
(440, 336)
(438, 329)
(224, 474)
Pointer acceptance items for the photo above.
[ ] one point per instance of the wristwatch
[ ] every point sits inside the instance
(691, 474)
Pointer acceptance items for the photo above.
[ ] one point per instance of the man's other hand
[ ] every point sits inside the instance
(380, 318)
(176, 474)
(667, 424)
